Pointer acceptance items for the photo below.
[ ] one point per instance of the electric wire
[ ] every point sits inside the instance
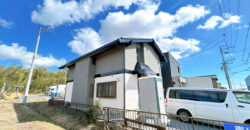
(245, 42)
(211, 45)
(237, 25)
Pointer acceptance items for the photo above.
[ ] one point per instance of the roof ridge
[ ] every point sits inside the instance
(132, 38)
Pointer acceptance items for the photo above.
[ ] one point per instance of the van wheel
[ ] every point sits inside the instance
(247, 122)
(184, 115)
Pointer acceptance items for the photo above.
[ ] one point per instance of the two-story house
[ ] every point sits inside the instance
(110, 73)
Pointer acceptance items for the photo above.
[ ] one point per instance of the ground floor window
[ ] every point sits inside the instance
(106, 89)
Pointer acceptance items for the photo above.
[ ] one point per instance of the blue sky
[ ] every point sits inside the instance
(191, 30)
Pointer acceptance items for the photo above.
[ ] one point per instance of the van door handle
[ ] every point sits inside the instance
(241, 106)
(226, 105)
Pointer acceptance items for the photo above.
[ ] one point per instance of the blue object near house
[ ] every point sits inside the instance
(55, 95)
(229, 126)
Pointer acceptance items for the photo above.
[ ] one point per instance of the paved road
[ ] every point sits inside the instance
(29, 97)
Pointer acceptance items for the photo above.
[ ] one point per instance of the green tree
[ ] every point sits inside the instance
(41, 78)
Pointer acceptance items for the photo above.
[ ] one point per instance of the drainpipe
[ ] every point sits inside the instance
(124, 90)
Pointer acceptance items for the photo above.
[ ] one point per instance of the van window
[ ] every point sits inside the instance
(172, 94)
(210, 96)
(198, 95)
(185, 94)
(242, 97)
(181, 94)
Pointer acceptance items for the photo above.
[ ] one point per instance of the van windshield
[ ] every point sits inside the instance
(243, 97)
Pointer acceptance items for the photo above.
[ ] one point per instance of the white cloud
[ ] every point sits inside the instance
(56, 12)
(16, 52)
(230, 19)
(144, 22)
(242, 27)
(213, 21)
(5, 24)
(179, 47)
(86, 40)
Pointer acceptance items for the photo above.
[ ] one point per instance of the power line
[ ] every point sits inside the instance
(247, 58)
(211, 45)
(237, 66)
(229, 10)
(220, 11)
(247, 69)
(246, 42)
(238, 11)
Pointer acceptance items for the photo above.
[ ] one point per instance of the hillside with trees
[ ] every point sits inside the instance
(41, 78)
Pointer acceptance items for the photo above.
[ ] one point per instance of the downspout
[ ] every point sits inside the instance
(124, 93)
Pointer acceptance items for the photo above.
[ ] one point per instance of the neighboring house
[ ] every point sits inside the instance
(248, 82)
(209, 81)
(172, 77)
(110, 73)
(171, 72)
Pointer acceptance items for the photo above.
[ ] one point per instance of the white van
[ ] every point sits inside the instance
(215, 104)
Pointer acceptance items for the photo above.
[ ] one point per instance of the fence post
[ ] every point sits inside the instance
(124, 118)
(108, 115)
(192, 123)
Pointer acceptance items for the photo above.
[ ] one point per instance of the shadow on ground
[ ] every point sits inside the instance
(58, 115)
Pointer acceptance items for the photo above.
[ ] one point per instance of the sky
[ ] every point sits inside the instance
(192, 30)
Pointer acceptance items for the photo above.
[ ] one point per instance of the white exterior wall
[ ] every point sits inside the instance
(151, 95)
(132, 93)
(109, 61)
(68, 92)
(151, 59)
(130, 57)
(111, 102)
(198, 82)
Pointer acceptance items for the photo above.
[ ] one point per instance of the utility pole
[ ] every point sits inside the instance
(225, 69)
(32, 66)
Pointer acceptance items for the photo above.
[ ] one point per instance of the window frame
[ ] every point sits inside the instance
(104, 90)
(194, 96)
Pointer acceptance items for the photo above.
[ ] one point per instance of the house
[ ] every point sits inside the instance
(172, 77)
(248, 82)
(171, 72)
(110, 73)
(207, 81)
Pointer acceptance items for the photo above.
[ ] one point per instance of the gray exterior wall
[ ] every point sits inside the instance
(174, 65)
(130, 57)
(170, 72)
(199, 82)
(80, 92)
(151, 59)
(70, 75)
(110, 61)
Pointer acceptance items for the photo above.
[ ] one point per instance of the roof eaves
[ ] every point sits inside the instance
(98, 50)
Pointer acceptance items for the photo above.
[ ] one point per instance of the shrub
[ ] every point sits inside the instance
(93, 112)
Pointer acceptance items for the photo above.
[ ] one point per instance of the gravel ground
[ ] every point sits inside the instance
(38, 115)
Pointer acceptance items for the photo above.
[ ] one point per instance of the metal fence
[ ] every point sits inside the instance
(150, 121)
